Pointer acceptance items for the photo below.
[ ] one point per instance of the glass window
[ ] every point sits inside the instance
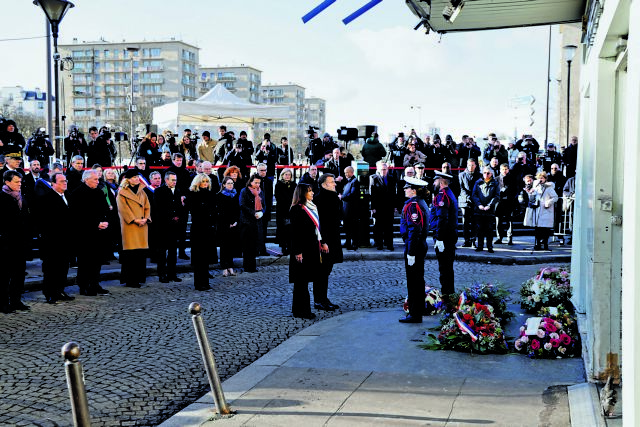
(155, 51)
(97, 101)
(96, 53)
(107, 53)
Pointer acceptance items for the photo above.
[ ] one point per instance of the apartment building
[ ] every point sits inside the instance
(98, 88)
(293, 128)
(315, 114)
(242, 81)
(16, 99)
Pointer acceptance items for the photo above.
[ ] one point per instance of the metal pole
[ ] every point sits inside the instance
(75, 382)
(50, 128)
(131, 134)
(209, 361)
(546, 121)
(56, 62)
(568, 97)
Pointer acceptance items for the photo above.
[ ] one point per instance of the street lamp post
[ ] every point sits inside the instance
(132, 106)
(569, 52)
(55, 11)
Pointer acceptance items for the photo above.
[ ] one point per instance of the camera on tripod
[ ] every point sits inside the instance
(194, 137)
(105, 133)
(40, 133)
(311, 131)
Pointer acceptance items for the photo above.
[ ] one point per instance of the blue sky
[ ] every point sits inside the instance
(370, 72)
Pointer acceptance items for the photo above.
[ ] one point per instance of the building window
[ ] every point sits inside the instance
(107, 53)
(154, 51)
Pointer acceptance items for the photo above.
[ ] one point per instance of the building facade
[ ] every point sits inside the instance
(315, 114)
(293, 96)
(16, 99)
(98, 89)
(242, 81)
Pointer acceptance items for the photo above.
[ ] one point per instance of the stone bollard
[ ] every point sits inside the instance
(75, 383)
(209, 361)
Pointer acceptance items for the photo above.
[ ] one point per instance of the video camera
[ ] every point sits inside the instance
(194, 137)
(311, 131)
(104, 133)
(40, 133)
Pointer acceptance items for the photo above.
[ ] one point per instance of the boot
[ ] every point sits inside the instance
(510, 242)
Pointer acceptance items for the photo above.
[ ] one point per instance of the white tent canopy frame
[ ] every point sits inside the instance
(218, 106)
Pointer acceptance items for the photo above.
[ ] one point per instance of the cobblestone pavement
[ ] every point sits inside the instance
(140, 356)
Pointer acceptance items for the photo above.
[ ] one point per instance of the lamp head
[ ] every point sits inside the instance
(569, 52)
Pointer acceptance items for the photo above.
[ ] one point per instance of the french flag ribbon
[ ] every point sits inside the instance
(313, 216)
(465, 328)
(541, 273)
(143, 179)
(462, 299)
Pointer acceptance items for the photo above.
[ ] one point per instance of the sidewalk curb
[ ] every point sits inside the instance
(584, 406)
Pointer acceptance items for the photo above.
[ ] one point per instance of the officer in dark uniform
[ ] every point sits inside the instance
(414, 226)
(444, 224)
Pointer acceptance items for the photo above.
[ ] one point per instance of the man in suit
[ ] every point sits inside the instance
(12, 163)
(169, 206)
(335, 166)
(29, 180)
(382, 188)
(55, 250)
(74, 173)
(183, 183)
(351, 208)
(330, 213)
(89, 212)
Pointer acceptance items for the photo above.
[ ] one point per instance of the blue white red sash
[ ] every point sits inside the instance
(465, 328)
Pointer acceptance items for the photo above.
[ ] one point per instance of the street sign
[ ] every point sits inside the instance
(522, 101)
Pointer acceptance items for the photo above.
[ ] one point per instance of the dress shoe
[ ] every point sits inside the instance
(390, 248)
(309, 316)
(100, 290)
(410, 319)
(323, 306)
(175, 279)
(52, 300)
(478, 249)
(20, 306)
(490, 250)
(330, 304)
(537, 248)
(184, 256)
(203, 288)
(164, 279)
(88, 292)
(466, 245)
(63, 296)
(498, 241)
(510, 242)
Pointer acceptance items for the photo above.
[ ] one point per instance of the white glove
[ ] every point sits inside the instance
(259, 214)
(411, 260)
(439, 245)
(547, 203)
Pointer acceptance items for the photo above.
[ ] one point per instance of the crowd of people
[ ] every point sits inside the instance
(144, 211)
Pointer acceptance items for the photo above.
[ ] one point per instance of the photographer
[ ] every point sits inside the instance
(74, 144)
(11, 140)
(247, 146)
(530, 147)
(315, 150)
(268, 154)
(469, 150)
(239, 157)
(188, 148)
(150, 150)
(285, 155)
(495, 149)
(39, 148)
(101, 150)
(398, 150)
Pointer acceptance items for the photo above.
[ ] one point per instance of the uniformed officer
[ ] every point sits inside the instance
(444, 224)
(414, 226)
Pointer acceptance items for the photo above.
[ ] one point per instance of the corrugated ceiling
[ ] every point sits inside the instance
(493, 14)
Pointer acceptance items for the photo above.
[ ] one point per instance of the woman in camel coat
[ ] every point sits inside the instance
(135, 213)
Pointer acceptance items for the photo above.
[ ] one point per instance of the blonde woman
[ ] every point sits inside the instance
(201, 203)
(135, 214)
(541, 210)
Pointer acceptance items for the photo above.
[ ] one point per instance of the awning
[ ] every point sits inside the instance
(494, 14)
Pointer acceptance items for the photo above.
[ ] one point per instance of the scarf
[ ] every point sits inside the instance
(256, 194)
(15, 194)
(231, 193)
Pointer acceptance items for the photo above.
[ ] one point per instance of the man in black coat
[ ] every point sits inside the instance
(570, 157)
(508, 193)
(351, 208)
(100, 150)
(29, 180)
(11, 140)
(184, 182)
(74, 173)
(55, 250)
(382, 187)
(169, 207)
(330, 213)
(74, 144)
(13, 227)
(311, 178)
(12, 163)
(335, 166)
(89, 211)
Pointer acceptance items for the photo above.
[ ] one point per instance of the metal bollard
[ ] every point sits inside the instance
(209, 361)
(75, 382)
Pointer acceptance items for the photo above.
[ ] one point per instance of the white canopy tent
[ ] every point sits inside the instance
(218, 106)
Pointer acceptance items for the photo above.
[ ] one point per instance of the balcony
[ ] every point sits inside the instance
(158, 68)
(226, 79)
(154, 81)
